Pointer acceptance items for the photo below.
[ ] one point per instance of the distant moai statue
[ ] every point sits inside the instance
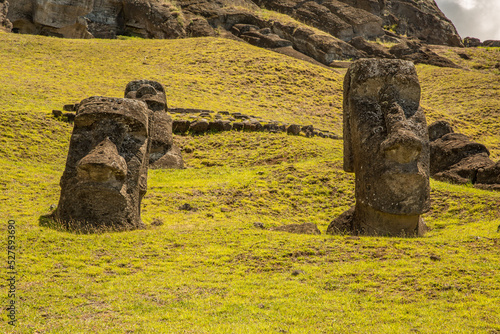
(386, 145)
(164, 154)
(106, 169)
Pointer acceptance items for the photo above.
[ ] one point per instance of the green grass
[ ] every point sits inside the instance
(468, 99)
(211, 270)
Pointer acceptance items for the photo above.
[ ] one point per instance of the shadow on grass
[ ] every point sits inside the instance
(77, 227)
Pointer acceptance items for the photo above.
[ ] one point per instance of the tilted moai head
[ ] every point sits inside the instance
(149, 91)
(153, 94)
(106, 169)
(386, 145)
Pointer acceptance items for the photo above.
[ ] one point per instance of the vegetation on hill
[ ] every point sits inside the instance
(211, 270)
(467, 97)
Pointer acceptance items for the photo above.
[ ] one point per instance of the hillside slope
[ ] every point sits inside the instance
(212, 270)
(326, 30)
(343, 19)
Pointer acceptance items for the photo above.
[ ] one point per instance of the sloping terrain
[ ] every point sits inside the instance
(211, 270)
(343, 19)
(325, 30)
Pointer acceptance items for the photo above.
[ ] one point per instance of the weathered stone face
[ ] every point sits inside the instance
(386, 145)
(385, 136)
(149, 91)
(106, 168)
(163, 153)
(153, 94)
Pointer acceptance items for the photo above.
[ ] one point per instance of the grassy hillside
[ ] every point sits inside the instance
(212, 270)
(467, 97)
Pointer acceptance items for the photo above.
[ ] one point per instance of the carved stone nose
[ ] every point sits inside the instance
(102, 164)
(402, 146)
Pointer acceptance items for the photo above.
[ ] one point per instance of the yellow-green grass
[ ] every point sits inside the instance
(483, 59)
(209, 73)
(468, 99)
(211, 270)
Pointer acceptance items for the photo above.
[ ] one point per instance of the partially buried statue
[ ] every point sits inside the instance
(106, 169)
(164, 154)
(386, 145)
(114, 142)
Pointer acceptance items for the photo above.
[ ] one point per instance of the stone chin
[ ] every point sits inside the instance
(102, 207)
(89, 187)
(107, 205)
(397, 193)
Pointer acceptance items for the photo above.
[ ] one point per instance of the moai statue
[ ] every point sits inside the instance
(106, 169)
(164, 154)
(386, 145)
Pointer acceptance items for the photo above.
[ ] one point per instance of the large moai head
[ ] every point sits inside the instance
(386, 145)
(106, 169)
(153, 94)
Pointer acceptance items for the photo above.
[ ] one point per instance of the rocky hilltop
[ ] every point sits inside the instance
(326, 30)
(5, 24)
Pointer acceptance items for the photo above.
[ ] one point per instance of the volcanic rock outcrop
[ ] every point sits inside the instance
(346, 19)
(5, 24)
(419, 54)
(103, 18)
(106, 170)
(386, 145)
(336, 22)
(61, 18)
(335, 17)
(457, 159)
(472, 42)
(147, 19)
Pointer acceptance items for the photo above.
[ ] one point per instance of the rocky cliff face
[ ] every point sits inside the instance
(420, 19)
(347, 19)
(339, 19)
(4, 22)
(326, 30)
(97, 18)
(62, 18)
(148, 19)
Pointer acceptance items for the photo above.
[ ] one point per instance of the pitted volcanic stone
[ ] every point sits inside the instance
(386, 145)
(106, 169)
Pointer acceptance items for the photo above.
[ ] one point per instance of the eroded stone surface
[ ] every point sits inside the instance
(340, 22)
(5, 24)
(472, 42)
(143, 18)
(163, 153)
(439, 129)
(371, 49)
(492, 43)
(457, 159)
(62, 18)
(386, 145)
(105, 177)
(418, 53)
(346, 19)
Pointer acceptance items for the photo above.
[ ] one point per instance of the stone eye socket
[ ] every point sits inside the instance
(369, 119)
(131, 145)
(109, 128)
(410, 108)
(127, 134)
